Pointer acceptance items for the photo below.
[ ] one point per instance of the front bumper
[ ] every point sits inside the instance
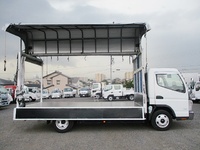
(191, 115)
(5, 103)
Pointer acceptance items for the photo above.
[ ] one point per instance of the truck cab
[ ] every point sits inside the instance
(30, 94)
(168, 92)
(97, 89)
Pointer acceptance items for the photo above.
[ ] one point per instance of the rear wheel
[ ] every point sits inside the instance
(161, 120)
(63, 126)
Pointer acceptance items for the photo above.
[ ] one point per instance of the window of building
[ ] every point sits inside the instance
(48, 82)
(58, 82)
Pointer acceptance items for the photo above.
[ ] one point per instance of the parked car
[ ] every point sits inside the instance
(11, 90)
(4, 101)
(67, 92)
(84, 92)
(56, 94)
(45, 94)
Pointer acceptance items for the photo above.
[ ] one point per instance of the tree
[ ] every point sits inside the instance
(129, 84)
(106, 81)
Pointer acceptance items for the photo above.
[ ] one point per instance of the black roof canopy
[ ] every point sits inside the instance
(79, 39)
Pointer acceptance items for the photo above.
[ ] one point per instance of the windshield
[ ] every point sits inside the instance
(68, 90)
(107, 88)
(3, 90)
(56, 91)
(44, 92)
(84, 89)
(94, 86)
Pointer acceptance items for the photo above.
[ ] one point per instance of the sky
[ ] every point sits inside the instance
(173, 40)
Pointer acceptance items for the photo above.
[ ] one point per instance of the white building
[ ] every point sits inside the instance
(99, 77)
(129, 75)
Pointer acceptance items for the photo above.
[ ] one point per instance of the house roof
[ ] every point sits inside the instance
(56, 74)
(33, 85)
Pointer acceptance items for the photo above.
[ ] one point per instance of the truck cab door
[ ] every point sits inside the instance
(171, 91)
(117, 90)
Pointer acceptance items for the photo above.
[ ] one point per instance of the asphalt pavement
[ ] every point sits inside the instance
(37, 135)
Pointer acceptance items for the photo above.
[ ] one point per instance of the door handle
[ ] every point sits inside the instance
(159, 97)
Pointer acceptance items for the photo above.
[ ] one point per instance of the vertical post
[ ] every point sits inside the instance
(41, 83)
(20, 69)
(111, 69)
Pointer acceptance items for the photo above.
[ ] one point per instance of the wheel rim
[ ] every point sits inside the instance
(131, 97)
(162, 121)
(110, 98)
(97, 96)
(62, 124)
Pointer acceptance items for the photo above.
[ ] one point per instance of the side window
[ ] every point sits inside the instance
(117, 87)
(170, 81)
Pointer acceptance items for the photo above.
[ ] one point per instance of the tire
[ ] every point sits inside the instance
(31, 99)
(131, 97)
(22, 103)
(110, 98)
(62, 126)
(161, 120)
(97, 96)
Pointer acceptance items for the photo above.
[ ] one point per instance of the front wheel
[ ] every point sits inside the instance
(131, 97)
(63, 126)
(161, 120)
(110, 98)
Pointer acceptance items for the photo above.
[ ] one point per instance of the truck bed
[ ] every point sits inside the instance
(119, 110)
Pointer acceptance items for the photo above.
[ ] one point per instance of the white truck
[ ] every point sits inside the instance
(195, 92)
(30, 94)
(117, 91)
(160, 95)
(97, 89)
(68, 92)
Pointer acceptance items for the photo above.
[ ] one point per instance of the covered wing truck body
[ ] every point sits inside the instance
(79, 39)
